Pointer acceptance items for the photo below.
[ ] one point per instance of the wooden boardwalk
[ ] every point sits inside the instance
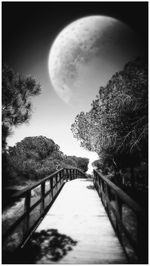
(76, 230)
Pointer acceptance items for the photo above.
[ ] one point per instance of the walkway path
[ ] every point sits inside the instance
(76, 230)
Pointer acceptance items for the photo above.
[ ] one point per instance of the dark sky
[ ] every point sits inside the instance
(29, 29)
(37, 23)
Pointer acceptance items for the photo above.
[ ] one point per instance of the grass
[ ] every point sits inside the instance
(12, 213)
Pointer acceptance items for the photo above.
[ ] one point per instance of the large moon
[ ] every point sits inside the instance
(86, 53)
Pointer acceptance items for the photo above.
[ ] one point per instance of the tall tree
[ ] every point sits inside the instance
(117, 125)
(16, 105)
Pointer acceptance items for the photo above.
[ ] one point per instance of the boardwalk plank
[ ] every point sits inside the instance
(79, 214)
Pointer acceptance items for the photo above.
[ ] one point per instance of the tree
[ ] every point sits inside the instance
(116, 127)
(31, 159)
(34, 158)
(16, 104)
(81, 162)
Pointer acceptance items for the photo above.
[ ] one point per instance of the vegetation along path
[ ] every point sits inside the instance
(76, 230)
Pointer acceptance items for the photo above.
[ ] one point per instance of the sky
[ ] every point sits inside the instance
(28, 32)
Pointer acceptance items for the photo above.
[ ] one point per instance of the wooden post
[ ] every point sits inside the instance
(70, 174)
(119, 212)
(51, 185)
(63, 173)
(99, 184)
(59, 182)
(103, 192)
(67, 174)
(60, 174)
(56, 178)
(64, 176)
(106, 196)
(42, 197)
(118, 206)
(27, 211)
(96, 180)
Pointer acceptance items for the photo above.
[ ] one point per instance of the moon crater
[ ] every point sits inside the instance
(89, 49)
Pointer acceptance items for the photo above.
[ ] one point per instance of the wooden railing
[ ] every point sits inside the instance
(34, 203)
(127, 217)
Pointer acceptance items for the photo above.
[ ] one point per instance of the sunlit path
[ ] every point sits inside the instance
(82, 223)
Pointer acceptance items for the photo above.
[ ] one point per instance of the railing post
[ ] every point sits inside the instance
(70, 174)
(60, 174)
(27, 210)
(56, 179)
(42, 197)
(51, 185)
(119, 212)
(94, 179)
(99, 184)
(107, 196)
(63, 175)
(73, 174)
(67, 174)
(118, 206)
(103, 192)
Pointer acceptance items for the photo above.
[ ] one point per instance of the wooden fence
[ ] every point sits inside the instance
(35, 202)
(132, 228)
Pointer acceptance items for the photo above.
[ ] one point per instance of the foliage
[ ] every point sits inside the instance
(97, 164)
(81, 162)
(116, 127)
(34, 158)
(16, 104)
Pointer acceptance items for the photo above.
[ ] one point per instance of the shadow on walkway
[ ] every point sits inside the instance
(46, 246)
(91, 187)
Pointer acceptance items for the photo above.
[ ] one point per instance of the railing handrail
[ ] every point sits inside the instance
(25, 224)
(122, 195)
(114, 199)
(22, 193)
